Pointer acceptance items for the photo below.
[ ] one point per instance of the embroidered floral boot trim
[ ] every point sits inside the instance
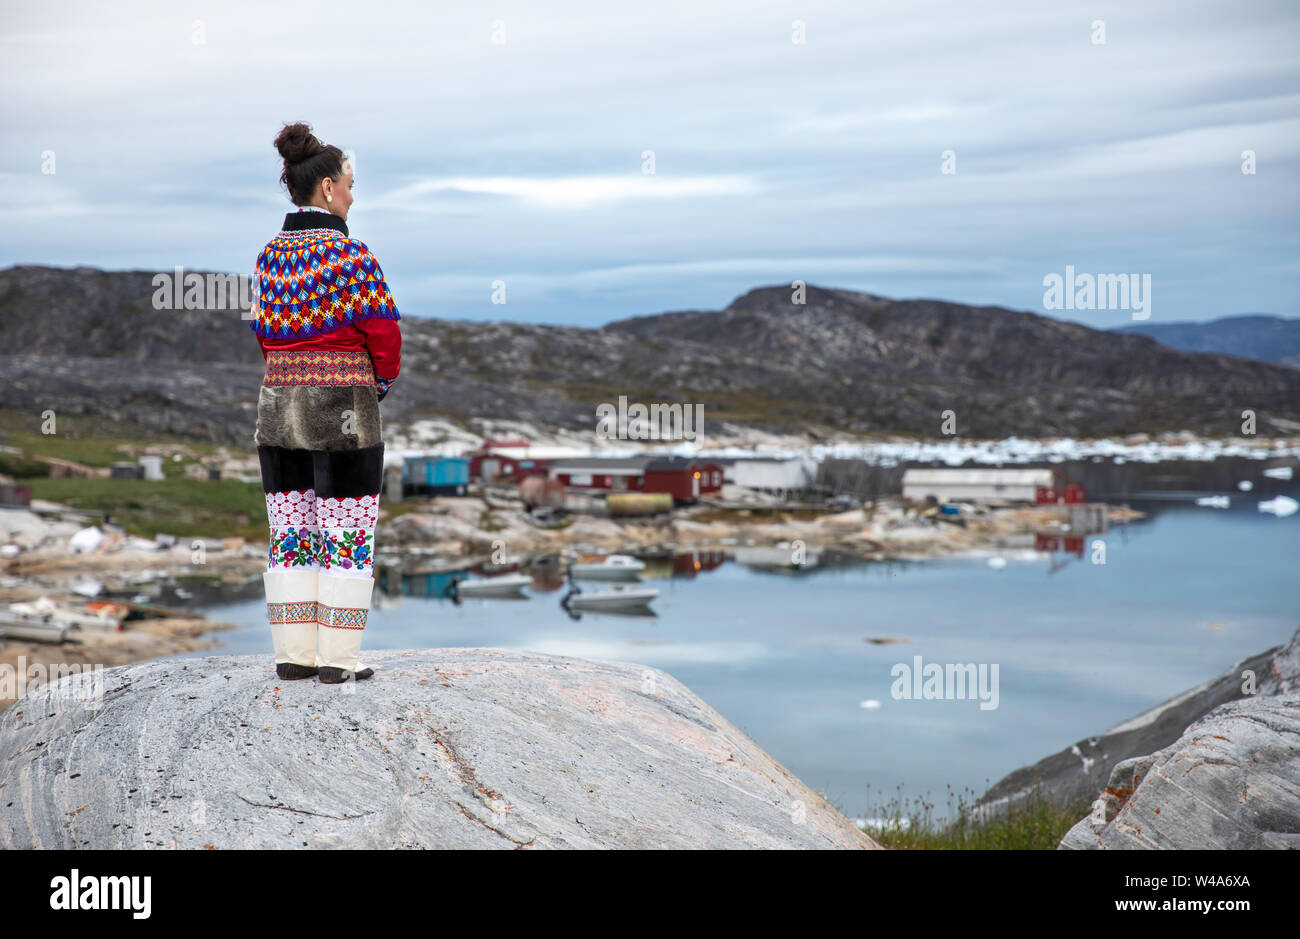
(291, 611)
(347, 535)
(295, 536)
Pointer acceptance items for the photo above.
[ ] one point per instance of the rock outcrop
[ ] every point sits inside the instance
(1084, 769)
(1231, 780)
(443, 748)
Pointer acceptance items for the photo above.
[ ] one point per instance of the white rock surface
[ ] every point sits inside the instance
(443, 748)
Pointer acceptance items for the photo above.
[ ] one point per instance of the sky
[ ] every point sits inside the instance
(507, 144)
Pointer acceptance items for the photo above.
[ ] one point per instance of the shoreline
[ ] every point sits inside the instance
(441, 534)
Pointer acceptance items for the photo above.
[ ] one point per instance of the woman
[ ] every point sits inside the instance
(329, 332)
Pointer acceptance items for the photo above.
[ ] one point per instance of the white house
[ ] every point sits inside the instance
(770, 474)
(974, 485)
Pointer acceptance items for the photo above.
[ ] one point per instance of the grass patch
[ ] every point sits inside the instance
(21, 467)
(1037, 825)
(90, 440)
(178, 506)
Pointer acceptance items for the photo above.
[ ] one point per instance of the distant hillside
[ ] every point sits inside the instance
(1251, 336)
(89, 342)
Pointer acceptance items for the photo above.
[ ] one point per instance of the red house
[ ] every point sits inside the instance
(511, 460)
(601, 474)
(684, 478)
(1063, 491)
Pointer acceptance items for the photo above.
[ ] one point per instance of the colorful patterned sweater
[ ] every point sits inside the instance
(316, 288)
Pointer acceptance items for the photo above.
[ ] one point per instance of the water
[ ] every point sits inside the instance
(1080, 646)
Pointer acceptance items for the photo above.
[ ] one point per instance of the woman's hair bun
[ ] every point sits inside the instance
(296, 143)
(306, 161)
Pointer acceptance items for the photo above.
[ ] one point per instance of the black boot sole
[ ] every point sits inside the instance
(292, 672)
(337, 676)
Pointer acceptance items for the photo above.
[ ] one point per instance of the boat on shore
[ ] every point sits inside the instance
(99, 616)
(33, 627)
(606, 567)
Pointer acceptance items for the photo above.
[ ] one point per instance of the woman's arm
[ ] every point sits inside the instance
(384, 341)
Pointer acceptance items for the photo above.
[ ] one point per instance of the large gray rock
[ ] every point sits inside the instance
(1084, 769)
(1232, 781)
(443, 748)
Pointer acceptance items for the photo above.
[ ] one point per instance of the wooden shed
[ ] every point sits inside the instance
(435, 475)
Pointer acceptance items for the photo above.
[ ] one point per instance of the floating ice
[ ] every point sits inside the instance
(1214, 502)
(1281, 506)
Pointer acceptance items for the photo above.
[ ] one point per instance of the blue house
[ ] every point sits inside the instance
(435, 476)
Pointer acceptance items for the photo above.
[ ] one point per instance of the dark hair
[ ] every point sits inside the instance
(306, 161)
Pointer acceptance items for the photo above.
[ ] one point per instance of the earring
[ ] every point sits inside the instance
(329, 198)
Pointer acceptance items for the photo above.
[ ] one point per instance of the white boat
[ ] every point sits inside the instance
(505, 585)
(103, 617)
(34, 627)
(778, 559)
(1279, 472)
(620, 597)
(610, 567)
(1214, 502)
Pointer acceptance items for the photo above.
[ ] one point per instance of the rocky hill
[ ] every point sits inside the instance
(85, 341)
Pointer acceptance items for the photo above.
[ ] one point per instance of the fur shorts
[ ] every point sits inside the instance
(318, 417)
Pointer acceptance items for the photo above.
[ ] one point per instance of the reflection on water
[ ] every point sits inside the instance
(1080, 645)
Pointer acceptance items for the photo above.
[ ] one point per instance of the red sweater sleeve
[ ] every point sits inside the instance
(384, 341)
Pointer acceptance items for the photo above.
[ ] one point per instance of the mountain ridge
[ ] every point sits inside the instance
(843, 361)
(1260, 336)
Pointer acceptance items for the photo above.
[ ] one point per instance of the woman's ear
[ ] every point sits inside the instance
(327, 187)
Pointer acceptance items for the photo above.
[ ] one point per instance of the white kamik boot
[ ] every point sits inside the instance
(342, 608)
(291, 611)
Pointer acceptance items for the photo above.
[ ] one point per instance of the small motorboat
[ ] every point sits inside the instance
(32, 626)
(618, 597)
(1214, 502)
(100, 616)
(607, 567)
(506, 585)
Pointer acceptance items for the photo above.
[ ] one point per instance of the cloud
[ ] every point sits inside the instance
(574, 192)
(521, 160)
